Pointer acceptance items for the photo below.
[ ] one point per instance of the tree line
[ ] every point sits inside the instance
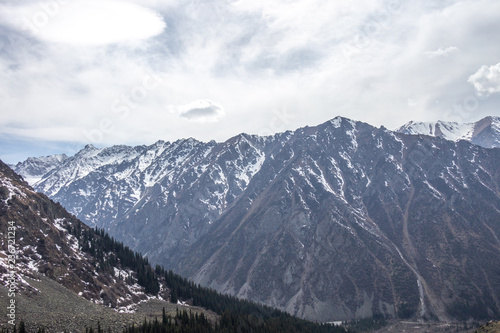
(228, 323)
(234, 313)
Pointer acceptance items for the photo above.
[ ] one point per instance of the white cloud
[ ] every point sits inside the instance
(412, 102)
(199, 111)
(442, 52)
(85, 22)
(486, 80)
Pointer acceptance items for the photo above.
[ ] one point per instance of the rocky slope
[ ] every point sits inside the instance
(48, 241)
(338, 221)
(491, 327)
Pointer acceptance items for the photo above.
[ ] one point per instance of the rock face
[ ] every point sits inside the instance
(338, 221)
(485, 132)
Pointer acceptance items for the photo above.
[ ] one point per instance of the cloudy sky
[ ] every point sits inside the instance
(133, 72)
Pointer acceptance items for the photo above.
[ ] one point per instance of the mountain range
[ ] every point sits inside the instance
(57, 274)
(338, 221)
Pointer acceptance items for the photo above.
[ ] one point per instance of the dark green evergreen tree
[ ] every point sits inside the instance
(22, 328)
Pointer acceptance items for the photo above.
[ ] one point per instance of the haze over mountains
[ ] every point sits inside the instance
(338, 221)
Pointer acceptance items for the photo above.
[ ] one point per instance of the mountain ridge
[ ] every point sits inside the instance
(484, 132)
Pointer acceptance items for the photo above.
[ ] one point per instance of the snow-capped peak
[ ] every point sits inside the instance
(485, 132)
(447, 130)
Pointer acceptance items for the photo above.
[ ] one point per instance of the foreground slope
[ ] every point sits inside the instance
(491, 327)
(51, 267)
(338, 221)
(51, 242)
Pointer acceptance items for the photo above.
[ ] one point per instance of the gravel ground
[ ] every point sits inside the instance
(415, 327)
(58, 309)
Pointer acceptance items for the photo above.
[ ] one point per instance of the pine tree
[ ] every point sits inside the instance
(173, 297)
(22, 328)
(164, 318)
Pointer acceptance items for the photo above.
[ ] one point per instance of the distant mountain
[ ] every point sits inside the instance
(485, 132)
(34, 168)
(333, 222)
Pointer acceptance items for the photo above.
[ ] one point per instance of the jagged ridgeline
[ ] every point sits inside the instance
(55, 251)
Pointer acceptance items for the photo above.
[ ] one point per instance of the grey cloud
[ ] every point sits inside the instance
(199, 111)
